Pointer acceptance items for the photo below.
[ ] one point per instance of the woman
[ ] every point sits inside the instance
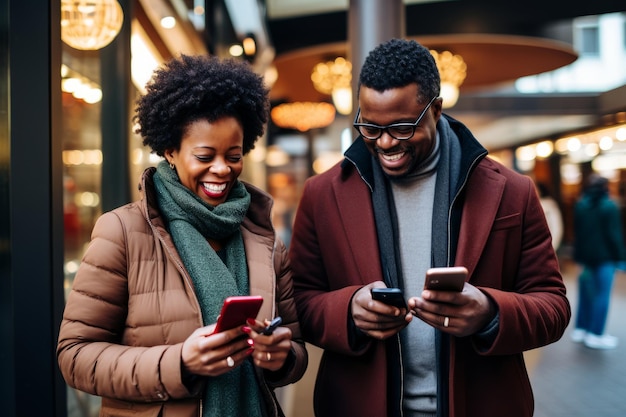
(138, 324)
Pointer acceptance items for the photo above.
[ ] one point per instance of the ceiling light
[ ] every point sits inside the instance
(70, 84)
(168, 22)
(342, 98)
(80, 87)
(334, 78)
(525, 153)
(544, 149)
(249, 45)
(573, 144)
(591, 149)
(606, 143)
(452, 71)
(90, 24)
(235, 50)
(303, 116)
(93, 95)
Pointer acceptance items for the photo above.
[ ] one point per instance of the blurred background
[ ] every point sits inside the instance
(542, 85)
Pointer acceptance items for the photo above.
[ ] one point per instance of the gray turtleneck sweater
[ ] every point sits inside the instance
(413, 198)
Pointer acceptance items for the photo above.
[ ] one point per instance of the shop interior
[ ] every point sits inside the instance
(547, 98)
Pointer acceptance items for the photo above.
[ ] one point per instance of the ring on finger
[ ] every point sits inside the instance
(446, 321)
(230, 362)
(269, 356)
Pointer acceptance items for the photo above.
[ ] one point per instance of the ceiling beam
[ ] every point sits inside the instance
(448, 17)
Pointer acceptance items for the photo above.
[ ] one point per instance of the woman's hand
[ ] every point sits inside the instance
(271, 351)
(208, 354)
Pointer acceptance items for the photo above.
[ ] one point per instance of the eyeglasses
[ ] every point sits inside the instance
(400, 131)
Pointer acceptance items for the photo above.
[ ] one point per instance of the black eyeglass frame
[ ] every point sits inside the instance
(381, 129)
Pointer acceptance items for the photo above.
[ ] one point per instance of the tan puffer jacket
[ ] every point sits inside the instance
(132, 306)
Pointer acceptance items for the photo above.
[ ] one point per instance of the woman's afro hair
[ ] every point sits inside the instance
(192, 88)
(398, 63)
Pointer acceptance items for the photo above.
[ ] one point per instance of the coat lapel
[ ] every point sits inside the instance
(357, 222)
(483, 196)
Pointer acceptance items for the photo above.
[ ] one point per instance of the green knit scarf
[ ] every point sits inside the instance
(191, 222)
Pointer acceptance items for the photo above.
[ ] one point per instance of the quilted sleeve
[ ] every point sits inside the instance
(89, 351)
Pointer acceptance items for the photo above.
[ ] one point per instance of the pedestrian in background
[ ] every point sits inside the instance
(553, 214)
(599, 249)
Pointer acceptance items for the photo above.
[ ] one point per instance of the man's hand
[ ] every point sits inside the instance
(375, 318)
(458, 313)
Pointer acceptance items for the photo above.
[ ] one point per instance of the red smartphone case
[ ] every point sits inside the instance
(236, 310)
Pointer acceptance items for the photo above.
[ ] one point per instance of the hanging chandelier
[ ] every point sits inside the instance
(90, 24)
(303, 116)
(452, 71)
(334, 78)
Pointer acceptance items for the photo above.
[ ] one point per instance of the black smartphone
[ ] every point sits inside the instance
(236, 310)
(272, 326)
(446, 279)
(391, 296)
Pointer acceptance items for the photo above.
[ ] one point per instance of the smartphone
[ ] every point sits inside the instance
(272, 326)
(236, 310)
(446, 279)
(391, 296)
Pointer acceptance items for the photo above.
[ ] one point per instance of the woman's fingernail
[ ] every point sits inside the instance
(249, 351)
(251, 342)
(251, 322)
(246, 329)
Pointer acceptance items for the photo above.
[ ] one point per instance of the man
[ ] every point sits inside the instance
(415, 191)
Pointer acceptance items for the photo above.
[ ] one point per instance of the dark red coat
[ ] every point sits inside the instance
(503, 240)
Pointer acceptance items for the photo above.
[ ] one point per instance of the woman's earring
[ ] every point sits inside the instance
(172, 165)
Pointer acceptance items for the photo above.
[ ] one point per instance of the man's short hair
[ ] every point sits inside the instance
(398, 63)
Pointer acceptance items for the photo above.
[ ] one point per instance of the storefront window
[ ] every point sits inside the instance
(82, 161)
(83, 155)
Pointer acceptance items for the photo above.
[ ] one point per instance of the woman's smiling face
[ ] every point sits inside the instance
(210, 158)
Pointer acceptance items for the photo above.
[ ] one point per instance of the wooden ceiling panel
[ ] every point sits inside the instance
(490, 59)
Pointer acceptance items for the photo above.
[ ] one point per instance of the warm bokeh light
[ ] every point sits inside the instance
(525, 153)
(144, 57)
(82, 157)
(90, 24)
(168, 22)
(606, 143)
(334, 78)
(544, 149)
(452, 71)
(235, 50)
(573, 144)
(276, 157)
(303, 116)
